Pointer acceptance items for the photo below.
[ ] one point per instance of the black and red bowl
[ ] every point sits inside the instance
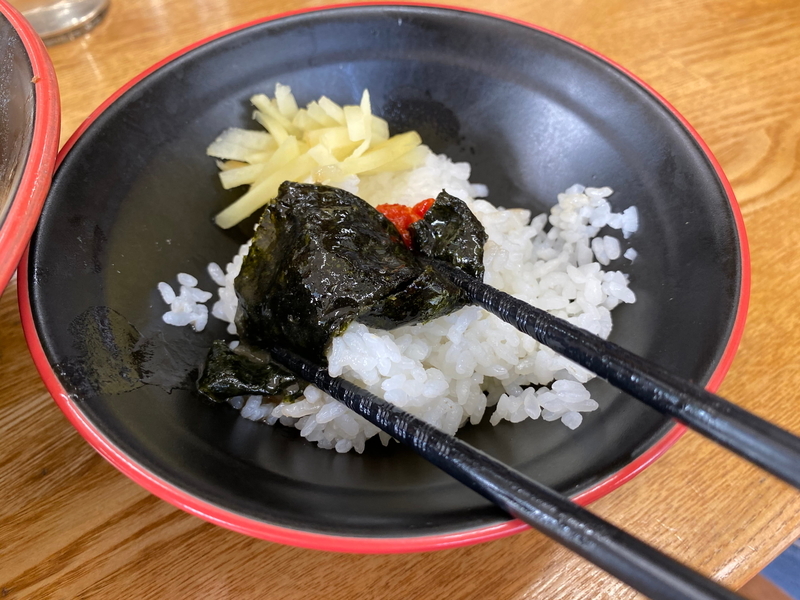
(29, 129)
(131, 205)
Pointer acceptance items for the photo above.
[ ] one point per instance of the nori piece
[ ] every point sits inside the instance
(451, 233)
(245, 371)
(423, 299)
(322, 258)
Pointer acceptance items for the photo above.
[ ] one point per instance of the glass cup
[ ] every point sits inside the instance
(61, 20)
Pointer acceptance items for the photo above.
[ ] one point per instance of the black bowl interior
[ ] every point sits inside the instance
(131, 205)
(17, 100)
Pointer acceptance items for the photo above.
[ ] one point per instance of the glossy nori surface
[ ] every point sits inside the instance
(245, 370)
(321, 258)
(451, 233)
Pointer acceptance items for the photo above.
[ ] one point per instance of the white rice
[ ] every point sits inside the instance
(450, 370)
(186, 308)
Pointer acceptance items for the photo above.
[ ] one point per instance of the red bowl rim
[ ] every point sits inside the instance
(237, 522)
(26, 205)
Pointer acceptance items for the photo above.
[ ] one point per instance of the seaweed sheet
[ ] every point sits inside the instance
(322, 258)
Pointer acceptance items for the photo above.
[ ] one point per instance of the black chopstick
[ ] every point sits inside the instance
(762, 443)
(628, 559)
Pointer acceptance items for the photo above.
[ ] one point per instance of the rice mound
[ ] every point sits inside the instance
(450, 370)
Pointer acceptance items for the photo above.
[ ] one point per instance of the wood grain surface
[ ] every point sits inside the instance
(73, 527)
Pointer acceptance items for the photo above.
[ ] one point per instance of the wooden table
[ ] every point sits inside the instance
(71, 526)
